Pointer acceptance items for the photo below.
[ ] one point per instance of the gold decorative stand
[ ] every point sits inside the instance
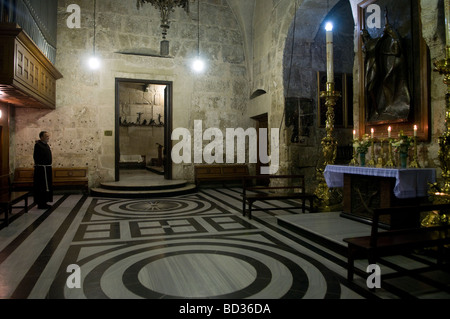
(328, 199)
(415, 163)
(442, 194)
(354, 161)
(372, 162)
(390, 162)
(443, 67)
(380, 160)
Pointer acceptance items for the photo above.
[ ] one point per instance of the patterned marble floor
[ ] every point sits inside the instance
(195, 246)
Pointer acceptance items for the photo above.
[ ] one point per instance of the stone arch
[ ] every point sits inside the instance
(299, 68)
(309, 14)
(307, 22)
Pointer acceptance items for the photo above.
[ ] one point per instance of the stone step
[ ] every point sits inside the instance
(144, 185)
(142, 192)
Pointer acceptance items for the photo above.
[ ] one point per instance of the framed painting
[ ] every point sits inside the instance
(393, 68)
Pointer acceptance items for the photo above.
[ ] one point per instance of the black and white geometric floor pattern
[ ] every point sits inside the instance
(193, 247)
(183, 247)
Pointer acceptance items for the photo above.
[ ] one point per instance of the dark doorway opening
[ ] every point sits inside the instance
(143, 127)
(262, 121)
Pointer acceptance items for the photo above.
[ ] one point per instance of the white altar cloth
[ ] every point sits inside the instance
(410, 182)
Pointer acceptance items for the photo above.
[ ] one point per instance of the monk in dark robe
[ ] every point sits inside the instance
(43, 190)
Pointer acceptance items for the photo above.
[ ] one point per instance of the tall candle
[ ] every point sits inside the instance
(447, 21)
(389, 131)
(415, 130)
(329, 39)
(371, 133)
(354, 134)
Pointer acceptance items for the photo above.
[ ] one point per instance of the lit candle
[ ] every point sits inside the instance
(389, 131)
(329, 39)
(447, 21)
(415, 130)
(371, 133)
(354, 134)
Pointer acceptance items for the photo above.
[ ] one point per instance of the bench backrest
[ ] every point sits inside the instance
(219, 172)
(374, 234)
(72, 173)
(295, 182)
(24, 174)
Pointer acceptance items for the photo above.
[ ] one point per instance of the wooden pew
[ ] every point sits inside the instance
(63, 178)
(8, 198)
(219, 173)
(399, 241)
(295, 189)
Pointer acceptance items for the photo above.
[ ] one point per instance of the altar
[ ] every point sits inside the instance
(365, 188)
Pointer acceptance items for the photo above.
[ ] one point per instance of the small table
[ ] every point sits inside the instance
(370, 187)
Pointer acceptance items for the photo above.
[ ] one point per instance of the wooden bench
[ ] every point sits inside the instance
(398, 241)
(8, 198)
(63, 178)
(294, 190)
(219, 172)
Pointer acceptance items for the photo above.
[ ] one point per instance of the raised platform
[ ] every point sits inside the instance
(142, 184)
(328, 229)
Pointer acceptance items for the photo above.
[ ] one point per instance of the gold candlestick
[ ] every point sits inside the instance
(415, 163)
(380, 160)
(354, 161)
(390, 162)
(326, 197)
(372, 162)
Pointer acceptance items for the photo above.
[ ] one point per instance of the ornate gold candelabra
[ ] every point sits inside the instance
(415, 163)
(443, 67)
(390, 162)
(372, 162)
(354, 161)
(380, 160)
(438, 194)
(326, 197)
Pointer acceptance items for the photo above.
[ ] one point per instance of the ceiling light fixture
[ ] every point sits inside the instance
(165, 7)
(94, 62)
(198, 65)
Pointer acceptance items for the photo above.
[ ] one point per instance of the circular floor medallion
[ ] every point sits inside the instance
(166, 207)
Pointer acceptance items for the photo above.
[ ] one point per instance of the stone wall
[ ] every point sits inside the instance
(86, 99)
(220, 97)
(304, 57)
(272, 21)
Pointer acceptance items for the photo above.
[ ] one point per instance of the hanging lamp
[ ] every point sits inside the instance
(165, 7)
(198, 65)
(94, 61)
